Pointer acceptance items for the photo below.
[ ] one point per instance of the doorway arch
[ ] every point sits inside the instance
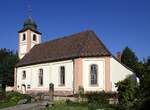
(23, 88)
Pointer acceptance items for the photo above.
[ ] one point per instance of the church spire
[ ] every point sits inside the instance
(29, 10)
(29, 23)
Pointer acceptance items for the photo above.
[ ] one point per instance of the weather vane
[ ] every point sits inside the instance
(29, 9)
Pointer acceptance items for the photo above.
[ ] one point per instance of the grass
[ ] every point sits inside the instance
(4, 103)
(12, 98)
(68, 107)
(62, 105)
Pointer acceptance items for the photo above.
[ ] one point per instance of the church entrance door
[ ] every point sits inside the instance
(23, 88)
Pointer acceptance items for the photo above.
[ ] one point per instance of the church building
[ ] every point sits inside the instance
(80, 59)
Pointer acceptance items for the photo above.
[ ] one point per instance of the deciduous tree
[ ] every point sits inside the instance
(8, 60)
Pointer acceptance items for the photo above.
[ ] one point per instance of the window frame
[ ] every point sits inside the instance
(23, 37)
(28, 86)
(90, 74)
(24, 75)
(34, 37)
(40, 77)
(62, 76)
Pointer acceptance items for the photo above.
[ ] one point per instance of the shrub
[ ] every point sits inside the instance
(144, 104)
(127, 93)
(96, 97)
(15, 96)
(96, 106)
(113, 95)
(59, 102)
(68, 101)
(40, 96)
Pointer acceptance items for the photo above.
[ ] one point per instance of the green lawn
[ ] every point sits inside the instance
(63, 105)
(68, 107)
(78, 106)
(4, 103)
(12, 98)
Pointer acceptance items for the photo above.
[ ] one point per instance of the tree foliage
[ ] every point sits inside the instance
(141, 98)
(8, 60)
(129, 58)
(127, 92)
(144, 99)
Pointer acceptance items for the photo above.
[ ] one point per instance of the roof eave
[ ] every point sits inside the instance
(23, 30)
(56, 60)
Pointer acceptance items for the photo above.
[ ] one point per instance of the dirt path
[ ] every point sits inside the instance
(31, 106)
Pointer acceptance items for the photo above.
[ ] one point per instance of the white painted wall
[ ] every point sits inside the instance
(21, 81)
(50, 75)
(86, 74)
(9, 88)
(23, 48)
(22, 44)
(118, 72)
(55, 72)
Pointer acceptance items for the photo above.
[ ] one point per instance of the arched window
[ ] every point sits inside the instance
(93, 74)
(24, 75)
(62, 75)
(34, 37)
(40, 77)
(24, 37)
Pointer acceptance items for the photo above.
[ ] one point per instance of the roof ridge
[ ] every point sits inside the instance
(67, 36)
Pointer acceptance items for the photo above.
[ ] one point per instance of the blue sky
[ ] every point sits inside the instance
(118, 23)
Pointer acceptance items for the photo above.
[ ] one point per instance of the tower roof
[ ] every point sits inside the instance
(29, 23)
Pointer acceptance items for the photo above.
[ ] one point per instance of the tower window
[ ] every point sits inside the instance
(34, 37)
(24, 37)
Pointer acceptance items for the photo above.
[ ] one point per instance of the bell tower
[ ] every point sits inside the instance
(28, 37)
